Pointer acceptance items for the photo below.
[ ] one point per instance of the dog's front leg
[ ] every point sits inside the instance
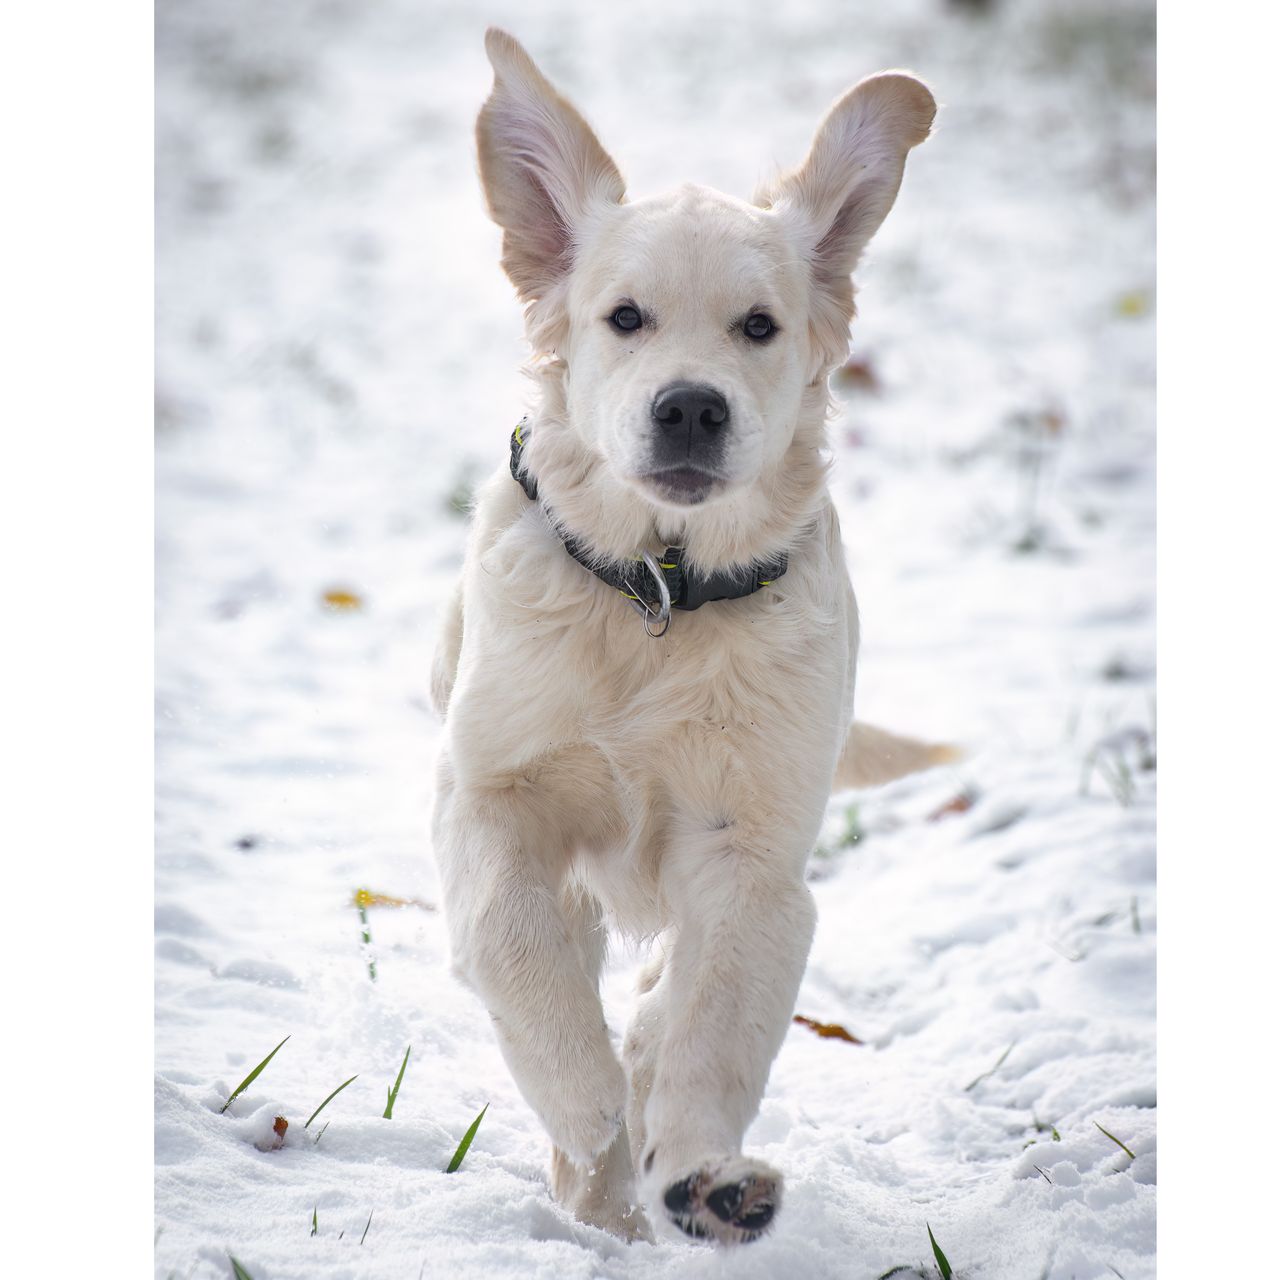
(512, 944)
(744, 925)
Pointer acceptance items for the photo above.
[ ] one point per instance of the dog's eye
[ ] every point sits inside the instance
(758, 326)
(626, 319)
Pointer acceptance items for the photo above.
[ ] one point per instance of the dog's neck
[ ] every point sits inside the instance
(610, 518)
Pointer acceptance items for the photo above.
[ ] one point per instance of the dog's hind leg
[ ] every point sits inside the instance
(444, 664)
(643, 1042)
(724, 1000)
(602, 1194)
(503, 876)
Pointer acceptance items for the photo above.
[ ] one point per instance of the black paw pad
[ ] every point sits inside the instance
(756, 1218)
(742, 1205)
(725, 1201)
(679, 1195)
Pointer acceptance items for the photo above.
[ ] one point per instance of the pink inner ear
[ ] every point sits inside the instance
(545, 168)
(543, 230)
(835, 251)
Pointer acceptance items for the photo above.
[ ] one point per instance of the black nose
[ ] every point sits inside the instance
(684, 406)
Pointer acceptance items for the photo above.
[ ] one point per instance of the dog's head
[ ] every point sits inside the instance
(692, 333)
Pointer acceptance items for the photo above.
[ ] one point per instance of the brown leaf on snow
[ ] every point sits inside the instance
(961, 802)
(827, 1030)
(857, 374)
(278, 1129)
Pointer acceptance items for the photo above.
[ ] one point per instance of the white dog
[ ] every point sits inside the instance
(665, 772)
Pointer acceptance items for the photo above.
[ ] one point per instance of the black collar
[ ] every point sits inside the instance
(688, 590)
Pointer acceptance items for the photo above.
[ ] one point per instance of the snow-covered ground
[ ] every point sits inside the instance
(338, 360)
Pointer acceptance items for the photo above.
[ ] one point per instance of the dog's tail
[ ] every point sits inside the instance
(874, 756)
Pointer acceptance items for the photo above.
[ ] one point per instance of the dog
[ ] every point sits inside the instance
(646, 672)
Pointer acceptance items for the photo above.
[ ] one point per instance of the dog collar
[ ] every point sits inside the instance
(667, 584)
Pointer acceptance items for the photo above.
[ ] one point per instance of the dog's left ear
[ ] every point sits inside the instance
(847, 184)
(543, 170)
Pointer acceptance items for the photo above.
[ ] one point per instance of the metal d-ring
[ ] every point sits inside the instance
(662, 615)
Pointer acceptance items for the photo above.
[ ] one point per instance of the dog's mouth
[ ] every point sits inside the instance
(682, 486)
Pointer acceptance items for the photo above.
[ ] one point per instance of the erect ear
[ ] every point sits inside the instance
(544, 172)
(847, 184)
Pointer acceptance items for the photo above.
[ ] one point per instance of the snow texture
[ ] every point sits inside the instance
(338, 361)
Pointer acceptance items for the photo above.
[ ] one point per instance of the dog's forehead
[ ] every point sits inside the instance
(691, 244)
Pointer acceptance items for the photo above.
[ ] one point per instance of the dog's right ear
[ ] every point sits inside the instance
(543, 170)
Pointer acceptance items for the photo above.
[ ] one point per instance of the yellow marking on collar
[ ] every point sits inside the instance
(519, 436)
(662, 565)
(768, 582)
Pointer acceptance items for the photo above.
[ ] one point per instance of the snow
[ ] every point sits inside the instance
(338, 359)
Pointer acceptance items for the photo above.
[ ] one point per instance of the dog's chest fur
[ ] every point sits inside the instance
(561, 693)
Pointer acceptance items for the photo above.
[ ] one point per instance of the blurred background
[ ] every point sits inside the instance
(338, 363)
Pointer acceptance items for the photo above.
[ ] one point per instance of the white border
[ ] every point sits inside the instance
(75, 523)
(1219, 496)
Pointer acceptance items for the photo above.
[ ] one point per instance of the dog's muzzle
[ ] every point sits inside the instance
(690, 422)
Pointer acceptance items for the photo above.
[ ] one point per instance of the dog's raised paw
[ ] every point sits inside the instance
(731, 1201)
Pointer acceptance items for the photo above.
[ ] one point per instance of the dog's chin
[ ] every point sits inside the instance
(681, 486)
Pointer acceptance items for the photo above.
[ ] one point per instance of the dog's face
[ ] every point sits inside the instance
(686, 343)
(691, 325)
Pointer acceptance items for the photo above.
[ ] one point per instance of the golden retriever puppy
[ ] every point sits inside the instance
(647, 672)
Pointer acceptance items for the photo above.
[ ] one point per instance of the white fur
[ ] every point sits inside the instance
(673, 787)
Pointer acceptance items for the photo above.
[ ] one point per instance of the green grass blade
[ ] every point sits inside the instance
(321, 1133)
(465, 1144)
(1117, 1141)
(366, 1227)
(328, 1100)
(986, 1075)
(393, 1093)
(252, 1076)
(238, 1271)
(943, 1265)
(315, 1224)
